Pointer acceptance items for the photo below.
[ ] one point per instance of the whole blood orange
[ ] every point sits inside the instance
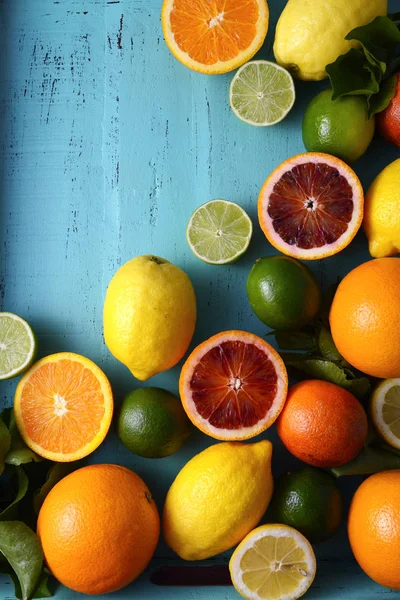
(374, 527)
(233, 385)
(365, 317)
(322, 424)
(99, 528)
(388, 121)
(311, 206)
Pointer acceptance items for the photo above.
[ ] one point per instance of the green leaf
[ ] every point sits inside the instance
(21, 547)
(42, 589)
(19, 453)
(327, 347)
(352, 75)
(380, 38)
(56, 472)
(319, 368)
(381, 100)
(294, 340)
(370, 460)
(23, 484)
(5, 441)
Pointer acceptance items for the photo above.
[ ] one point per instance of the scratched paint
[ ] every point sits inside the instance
(108, 144)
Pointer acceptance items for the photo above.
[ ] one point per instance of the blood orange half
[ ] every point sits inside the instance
(233, 386)
(311, 206)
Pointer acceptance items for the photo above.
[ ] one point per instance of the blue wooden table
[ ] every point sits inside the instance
(108, 144)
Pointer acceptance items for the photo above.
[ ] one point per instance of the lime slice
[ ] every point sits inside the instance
(17, 345)
(261, 93)
(385, 411)
(219, 232)
(274, 562)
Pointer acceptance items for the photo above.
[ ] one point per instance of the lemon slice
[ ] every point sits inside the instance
(219, 232)
(385, 411)
(17, 345)
(274, 562)
(262, 93)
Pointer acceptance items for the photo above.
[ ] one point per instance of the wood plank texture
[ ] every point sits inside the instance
(107, 146)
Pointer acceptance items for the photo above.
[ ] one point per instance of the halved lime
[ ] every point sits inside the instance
(261, 93)
(385, 411)
(17, 345)
(219, 232)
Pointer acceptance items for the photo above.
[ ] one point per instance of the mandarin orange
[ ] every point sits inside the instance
(99, 528)
(322, 424)
(365, 318)
(374, 527)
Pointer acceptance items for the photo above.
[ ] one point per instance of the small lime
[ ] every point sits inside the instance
(309, 500)
(152, 423)
(283, 292)
(17, 345)
(340, 127)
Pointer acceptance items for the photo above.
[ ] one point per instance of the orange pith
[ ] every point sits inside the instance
(214, 36)
(233, 386)
(311, 206)
(63, 407)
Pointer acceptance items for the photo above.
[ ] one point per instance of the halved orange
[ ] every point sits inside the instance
(214, 36)
(233, 386)
(311, 206)
(63, 407)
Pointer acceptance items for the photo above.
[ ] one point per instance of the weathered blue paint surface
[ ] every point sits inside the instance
(107, 146)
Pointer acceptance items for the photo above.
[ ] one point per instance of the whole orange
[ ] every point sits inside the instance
(322, 424)
(388, 121)
(99, 528)
(374, 527)
(365, 317)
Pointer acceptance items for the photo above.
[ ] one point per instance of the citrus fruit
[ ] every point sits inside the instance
(340, 127)
(374, 527)
(214, 37)
(382, 212)
(311, 206)
(217, 498)
(233, 385)
(99, 528)
(365, 317)
(17, 345)
(322, 424)
(274, 562)
(149, 315)
(219, 232)
(261, 93)
(152, 423)
(309, 500)
(385, 411)
(311, 35)
(388, 121)
(63, 407)
(283, 292)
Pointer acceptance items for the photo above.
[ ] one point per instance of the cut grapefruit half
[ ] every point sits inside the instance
(214, 37)
(311, 206)
(63, 407)
(233, 386)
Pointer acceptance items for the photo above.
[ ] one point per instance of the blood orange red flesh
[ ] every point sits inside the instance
(233, 386)
(311, 206)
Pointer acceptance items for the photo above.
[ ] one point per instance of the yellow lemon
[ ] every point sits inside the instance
(218, 498)
(382, 212)
(149, 315)
(310, 33)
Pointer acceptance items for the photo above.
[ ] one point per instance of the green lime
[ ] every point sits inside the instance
(219, 232)
(283, 292)
(340, 127)
(261, 93)
(17, 345)
(152, 423)
(309, 500)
